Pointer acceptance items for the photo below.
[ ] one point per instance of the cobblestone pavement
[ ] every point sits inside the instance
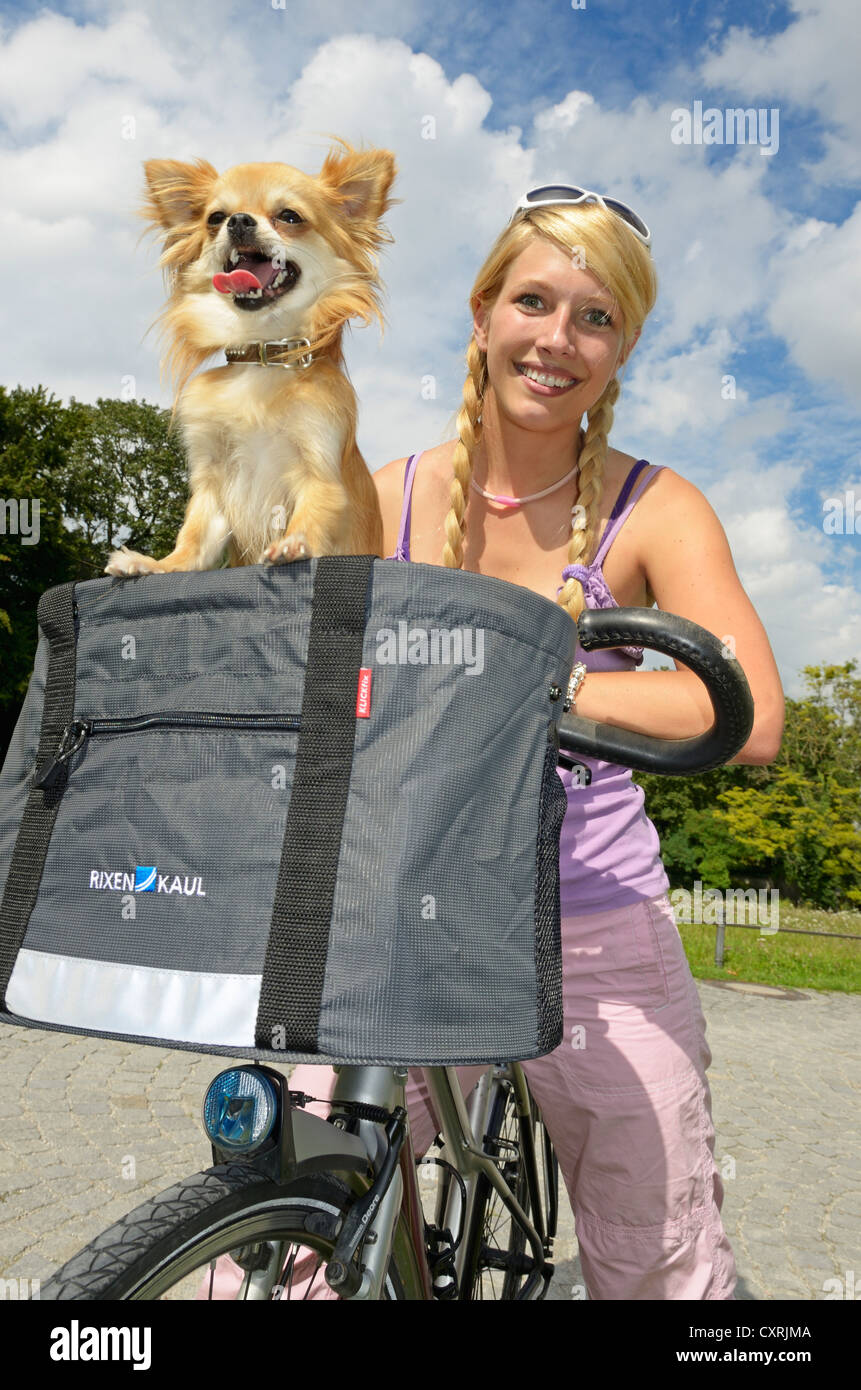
(89, 1129)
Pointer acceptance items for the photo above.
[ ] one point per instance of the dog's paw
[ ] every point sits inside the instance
(125, 562)
(287, 549)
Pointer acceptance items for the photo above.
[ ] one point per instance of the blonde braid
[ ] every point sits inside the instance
(593, 457)
(469, 433)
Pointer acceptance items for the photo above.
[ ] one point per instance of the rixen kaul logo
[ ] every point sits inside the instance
(146, 879)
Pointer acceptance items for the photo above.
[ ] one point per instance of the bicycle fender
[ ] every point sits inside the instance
(320, 1147)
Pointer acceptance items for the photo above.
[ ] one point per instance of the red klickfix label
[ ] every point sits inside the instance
(363, 699)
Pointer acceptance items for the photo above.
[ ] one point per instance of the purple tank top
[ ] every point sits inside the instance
(609, 852)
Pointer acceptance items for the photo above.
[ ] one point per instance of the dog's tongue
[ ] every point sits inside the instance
(237, 282)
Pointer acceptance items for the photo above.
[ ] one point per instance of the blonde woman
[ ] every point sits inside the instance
(531, 492)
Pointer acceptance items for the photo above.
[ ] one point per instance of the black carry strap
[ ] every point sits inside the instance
(56, 614)
(292, 989)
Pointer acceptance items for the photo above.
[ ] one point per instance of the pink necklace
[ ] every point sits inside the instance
(502, 501)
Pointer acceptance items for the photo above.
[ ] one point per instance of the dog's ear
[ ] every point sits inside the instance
(176, 193)
(361, 179)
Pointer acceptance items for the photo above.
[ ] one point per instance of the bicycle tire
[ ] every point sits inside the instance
(498, 1242)
(169, 1240)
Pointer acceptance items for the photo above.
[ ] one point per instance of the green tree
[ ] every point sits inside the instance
(35, 435)
(823, 730)
(803, 823)
(103, 475)
(124, 478)
(795, 822)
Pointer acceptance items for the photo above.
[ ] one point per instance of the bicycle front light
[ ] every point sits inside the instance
(239, 1109)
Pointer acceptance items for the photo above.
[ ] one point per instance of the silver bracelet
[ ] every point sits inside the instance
(575, 680)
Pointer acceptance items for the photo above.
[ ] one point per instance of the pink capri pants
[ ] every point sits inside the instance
(626, 1103)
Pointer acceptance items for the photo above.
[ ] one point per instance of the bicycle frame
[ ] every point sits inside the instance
(385, 1086)
(459, 1130)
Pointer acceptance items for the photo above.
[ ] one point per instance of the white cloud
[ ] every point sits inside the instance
(49, 64)
(415, 419)
(816, 305)
(812, 63)
(566, 114)
(781, 563)
(687, 390)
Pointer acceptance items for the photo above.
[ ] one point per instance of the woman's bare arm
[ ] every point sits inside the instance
(389, 482)
(687, 563)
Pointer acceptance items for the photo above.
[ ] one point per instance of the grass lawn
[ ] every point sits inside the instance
(798, 962)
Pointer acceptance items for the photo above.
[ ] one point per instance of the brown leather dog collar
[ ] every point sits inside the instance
(258, 353)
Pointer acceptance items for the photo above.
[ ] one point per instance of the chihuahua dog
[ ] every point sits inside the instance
(268, 264)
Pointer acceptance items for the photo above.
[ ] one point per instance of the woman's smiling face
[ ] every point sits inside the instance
(553, 339)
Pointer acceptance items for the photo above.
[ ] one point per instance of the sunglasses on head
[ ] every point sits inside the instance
(555, 194)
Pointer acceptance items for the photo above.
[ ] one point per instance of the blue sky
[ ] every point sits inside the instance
(758, 256)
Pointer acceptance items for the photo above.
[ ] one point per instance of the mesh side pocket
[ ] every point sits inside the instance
(553, 803)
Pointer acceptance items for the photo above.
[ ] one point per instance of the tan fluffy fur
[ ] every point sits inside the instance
(274, 469)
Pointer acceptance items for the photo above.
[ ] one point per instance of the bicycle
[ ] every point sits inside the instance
(316, 1212)
(293, 1197)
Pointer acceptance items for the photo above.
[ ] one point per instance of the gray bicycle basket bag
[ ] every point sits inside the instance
(298, 813)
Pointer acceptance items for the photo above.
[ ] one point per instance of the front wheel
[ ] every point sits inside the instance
(228, 1233)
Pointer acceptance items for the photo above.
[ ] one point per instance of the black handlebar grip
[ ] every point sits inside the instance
(677, 637)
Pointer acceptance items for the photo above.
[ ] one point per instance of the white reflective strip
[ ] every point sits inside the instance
(180, 1005)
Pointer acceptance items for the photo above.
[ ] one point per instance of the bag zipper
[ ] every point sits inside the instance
(75, 734)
